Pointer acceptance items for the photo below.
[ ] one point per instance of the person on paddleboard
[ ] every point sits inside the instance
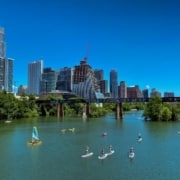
(102, 152)
(87, 149)
(110, 148)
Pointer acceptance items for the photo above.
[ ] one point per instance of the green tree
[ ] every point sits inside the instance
(96, 111)
(153, 109)
(166, 114)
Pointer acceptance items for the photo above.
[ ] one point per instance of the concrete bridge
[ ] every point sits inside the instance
(86, 102)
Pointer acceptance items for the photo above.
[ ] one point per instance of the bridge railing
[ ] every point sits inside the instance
(118, 100)
(107, 100)
(171, 99)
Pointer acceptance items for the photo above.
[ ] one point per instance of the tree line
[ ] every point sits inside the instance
(26, 107)
(156, 110)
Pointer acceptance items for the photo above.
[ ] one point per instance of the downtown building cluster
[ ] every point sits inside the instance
(81, 80)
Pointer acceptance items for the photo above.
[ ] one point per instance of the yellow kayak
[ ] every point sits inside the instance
(72, 129)
(34, 143)
(63, 130)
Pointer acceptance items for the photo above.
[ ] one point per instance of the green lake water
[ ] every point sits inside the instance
(157, 157)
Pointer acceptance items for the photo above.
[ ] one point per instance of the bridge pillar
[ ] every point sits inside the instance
(60, 110)
(86, 110)
(119, 110)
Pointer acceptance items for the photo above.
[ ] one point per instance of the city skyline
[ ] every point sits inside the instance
(140, 39)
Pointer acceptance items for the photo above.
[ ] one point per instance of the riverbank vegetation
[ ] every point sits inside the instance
(26, 106)
(156, 110)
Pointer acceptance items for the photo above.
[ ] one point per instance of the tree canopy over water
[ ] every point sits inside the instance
(156, 110)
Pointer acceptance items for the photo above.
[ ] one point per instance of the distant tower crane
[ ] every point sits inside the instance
(87, 52)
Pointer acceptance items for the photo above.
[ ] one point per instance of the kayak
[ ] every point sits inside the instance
(34, 143)
(71, 129)
(63, 130)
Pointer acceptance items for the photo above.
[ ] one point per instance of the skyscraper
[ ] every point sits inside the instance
(103, 85)
(134, 92)
(145, 93)
(2, 44)
(48, 80)
(114, 83)
(6, 66)
(99, 74)
(64, 81)
(122, 90)
(35, 70)
(8, 85)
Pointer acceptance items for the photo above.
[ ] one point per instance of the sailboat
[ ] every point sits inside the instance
(35, 137)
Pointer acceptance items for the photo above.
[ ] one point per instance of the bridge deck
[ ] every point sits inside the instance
(107, 100)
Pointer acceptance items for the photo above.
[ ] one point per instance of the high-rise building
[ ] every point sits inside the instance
(64, 81)
(84, 83)
(114, 83)
(48, 80)
(34, 76)
(9, 74)
(122, 90)
(134, 92)
(6, 74)
(2, 73)
(2, 44)
(6, 66)
(145, 93)
(80, 72)
(103, 85)
(22, 90)
(154, 92)
(168, 94)
(99, 74)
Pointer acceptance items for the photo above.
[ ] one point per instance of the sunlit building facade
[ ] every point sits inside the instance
(35, 70)
(134, 92)
(103, 85)
(122, 90)
(48, 80)
(6, 66)
(145, 93)
(168, 94)
(65, 79)
(155, 92)
(2, 44)
(6, 74)
(114, 83)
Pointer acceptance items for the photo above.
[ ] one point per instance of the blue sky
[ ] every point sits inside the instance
(138, 38)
